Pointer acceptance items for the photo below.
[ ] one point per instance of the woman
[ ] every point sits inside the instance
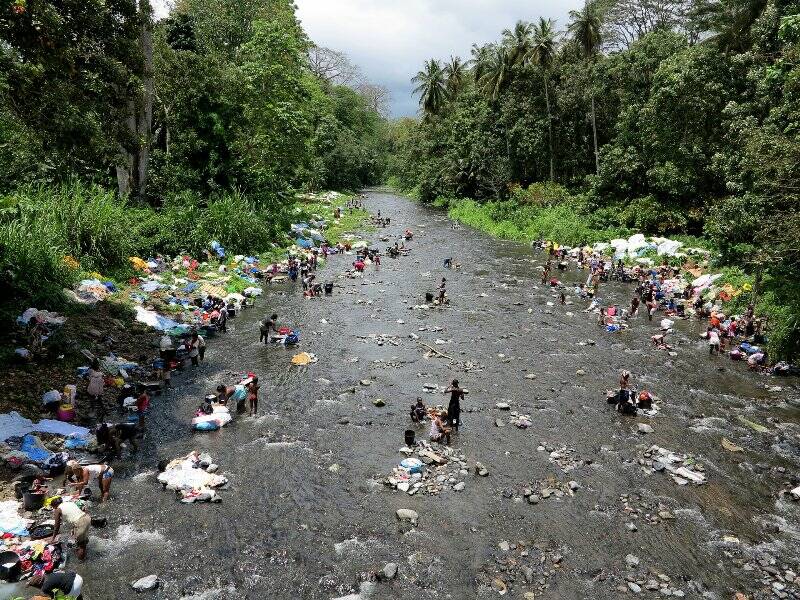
(96, 385)
(454, 406)
(83, 475)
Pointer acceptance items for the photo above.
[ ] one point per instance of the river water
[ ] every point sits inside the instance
(279, 530)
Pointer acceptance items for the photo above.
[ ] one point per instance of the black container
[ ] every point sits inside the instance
(410, 437)
(41, 532)
(33, 500)
(10, 566)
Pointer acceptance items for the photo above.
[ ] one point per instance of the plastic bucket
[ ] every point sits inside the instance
(66, 412)
(33, 500)
(410, 437)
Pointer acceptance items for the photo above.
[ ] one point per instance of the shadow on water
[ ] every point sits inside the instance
(276, 532)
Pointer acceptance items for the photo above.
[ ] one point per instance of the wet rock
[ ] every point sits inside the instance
(390, 571)
(379, 402)
(634, 587)
(408, 515)
(530, 376)
(504, 546)
(645, 428)
(459, 487)
(499, 586)
(365, 382)
(499, 423)
(580, 372)
(574, 485)
(145, 584)
(632, 561)
(534, 499)
(651, 585)
(631, 526)
(503, 406)
(481, 470)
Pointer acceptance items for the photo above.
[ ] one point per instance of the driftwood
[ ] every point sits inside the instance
(435, 351)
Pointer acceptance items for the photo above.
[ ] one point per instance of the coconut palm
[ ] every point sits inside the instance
(730, 21)
(481, 57)
(518, 41)
(431, 87)
(585, 27)
(495, 75)
(542, 53)
(456, 75)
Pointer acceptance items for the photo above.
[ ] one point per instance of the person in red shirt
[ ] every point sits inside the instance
(142, 404)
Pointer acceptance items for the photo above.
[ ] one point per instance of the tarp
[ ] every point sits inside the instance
(33, 448)
(14, 424)
(153, 319)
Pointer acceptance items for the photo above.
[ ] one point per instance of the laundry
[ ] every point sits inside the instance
(193, 478)
(15, 425)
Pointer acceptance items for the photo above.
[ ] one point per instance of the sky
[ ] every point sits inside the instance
(390, 40)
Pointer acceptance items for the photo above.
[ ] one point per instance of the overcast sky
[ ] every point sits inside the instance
(390, 39)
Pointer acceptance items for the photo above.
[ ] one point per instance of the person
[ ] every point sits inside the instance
(142, 404)
(68, 583)
(111, 436)
(359, 265)
(96, 385)
(237, 393)
(454, 406)
(439, 431)
(713, 341)
(267, 325)
(563, 298)
(193, 347)
(442, 290)
(418, 411)
(72, 515)
(601, 320)
(165, 347)
(201, 346)
(222, 321)
(635, 306)
(448, 263)
(252, 396)
(82, 475)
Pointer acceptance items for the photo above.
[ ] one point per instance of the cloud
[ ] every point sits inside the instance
(389, 40)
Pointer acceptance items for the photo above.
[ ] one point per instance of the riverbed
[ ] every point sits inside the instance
(306, 515)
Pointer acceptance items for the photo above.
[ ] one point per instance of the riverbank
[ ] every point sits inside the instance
(551, 216)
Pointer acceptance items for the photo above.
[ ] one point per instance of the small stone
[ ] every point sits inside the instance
(499, 423)
(499, 586)
(503, 406)
(343, 421)
(651, 584)
(379, 402)
(580, 372)
(547, 492)
(481, 470)
(504, 546)
(324, 382)
(365, 382)
(631, 526)
(574, 485)
(533, 499)
(403, 486)
(459, 487)
(530, 376)
(406, 514)
(634, 587)
(632, 561)
(334, 468)
(390, 571)
(145, 583)
(645, 428)
(529, 596)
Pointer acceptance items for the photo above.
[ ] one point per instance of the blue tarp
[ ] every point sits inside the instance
(34, 450)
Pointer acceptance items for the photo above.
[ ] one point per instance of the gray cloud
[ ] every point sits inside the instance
(390, 40)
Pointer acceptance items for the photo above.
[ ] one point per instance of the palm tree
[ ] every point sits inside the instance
(456, 74)
(586, 31)
(481, 56)
(730, 20)
(431, 87)
(518, 41)
(495, 73)
(543, 53)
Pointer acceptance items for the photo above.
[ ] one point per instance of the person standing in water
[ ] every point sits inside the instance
(457, 394)
(252, 396)
(442, 291)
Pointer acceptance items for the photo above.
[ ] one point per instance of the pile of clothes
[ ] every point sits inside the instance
(193, 477)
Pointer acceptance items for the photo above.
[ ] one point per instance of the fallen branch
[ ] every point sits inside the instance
(435, 351)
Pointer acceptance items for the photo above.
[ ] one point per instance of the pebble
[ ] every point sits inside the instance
(379, 402)
(503, 406)
(645, 428)
(481, 470)
(574, 485)
(459, 487)
(631, 526)
(365, 382)
(145, 583)
(533, 499)
(390, 571)
(634, 587)
(632, 561)
(504, 546)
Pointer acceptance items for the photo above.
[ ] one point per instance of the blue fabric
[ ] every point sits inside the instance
(34, 450)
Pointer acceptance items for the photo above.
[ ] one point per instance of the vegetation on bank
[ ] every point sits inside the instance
(124, 136)
(677, 120)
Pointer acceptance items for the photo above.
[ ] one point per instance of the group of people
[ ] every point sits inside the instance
(443, 423)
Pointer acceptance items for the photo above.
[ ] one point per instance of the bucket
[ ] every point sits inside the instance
(410, 437)
(10, 566)
(66, 412)
(33, 500)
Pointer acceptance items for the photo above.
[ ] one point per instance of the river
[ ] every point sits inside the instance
(279, 530)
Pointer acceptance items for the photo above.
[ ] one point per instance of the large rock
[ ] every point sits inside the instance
(145, 584)
(406, 514)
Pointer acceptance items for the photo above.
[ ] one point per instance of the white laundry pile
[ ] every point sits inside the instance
(193, 477)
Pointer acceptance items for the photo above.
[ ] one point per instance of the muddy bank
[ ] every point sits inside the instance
(306, 516)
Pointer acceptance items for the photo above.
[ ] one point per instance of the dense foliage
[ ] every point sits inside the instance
(669, 118)
(120, 135)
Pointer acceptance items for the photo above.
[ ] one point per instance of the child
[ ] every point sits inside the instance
(418, 411)
(142, 404)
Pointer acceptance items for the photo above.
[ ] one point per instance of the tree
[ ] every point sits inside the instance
(495, 73)
(378, 97)
(481, 57)
(585, 27)
(542, 53)
(729, 21)
(456, 74)
(431, 87)
(518, 42)
(332, 66)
